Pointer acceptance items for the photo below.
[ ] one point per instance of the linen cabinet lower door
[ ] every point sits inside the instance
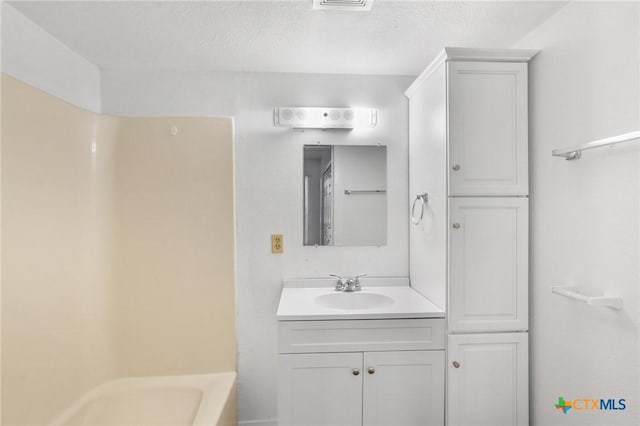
(488, 380)
(320, 389)
(404, 388)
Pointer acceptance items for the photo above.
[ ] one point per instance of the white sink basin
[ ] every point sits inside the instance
(353, 300)
(313, 299)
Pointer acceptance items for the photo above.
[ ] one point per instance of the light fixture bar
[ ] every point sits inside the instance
(345, 5)
(325, 117)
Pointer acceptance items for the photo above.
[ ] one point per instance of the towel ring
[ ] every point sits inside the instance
(424, 199)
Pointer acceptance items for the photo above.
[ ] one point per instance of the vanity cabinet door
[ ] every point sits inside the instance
(487, 113)
(488, 264)
(404, 388)
(487, 382)
(320, 389)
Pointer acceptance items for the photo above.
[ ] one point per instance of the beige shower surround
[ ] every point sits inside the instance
(118, 262)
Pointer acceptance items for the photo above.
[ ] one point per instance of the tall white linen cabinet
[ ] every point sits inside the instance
(468, 151)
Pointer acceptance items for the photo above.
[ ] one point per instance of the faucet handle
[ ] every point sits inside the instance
(340, 284)
(355, 282)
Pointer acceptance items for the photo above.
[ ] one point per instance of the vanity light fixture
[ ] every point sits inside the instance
(325, 117)
(346, 5)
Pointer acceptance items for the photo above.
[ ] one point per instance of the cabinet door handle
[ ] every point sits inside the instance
(456, 225)
(355, 372)
(371, 370)
(456, 167)
(456, 364)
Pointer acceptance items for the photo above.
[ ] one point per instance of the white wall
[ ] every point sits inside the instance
(268, 174)
(33, 56)
(584, 214)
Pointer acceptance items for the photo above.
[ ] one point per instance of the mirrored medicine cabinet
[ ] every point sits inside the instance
(345, 195)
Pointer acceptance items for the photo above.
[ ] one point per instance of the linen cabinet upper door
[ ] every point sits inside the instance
(488, 264)
(488, 128)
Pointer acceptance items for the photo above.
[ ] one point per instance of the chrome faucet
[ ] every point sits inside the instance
(348, 285)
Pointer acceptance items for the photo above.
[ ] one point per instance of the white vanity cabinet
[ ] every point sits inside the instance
(320, 389)
(403, 388)
(468, 150)
(341, 373)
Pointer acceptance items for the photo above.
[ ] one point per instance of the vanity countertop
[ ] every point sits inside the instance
(380, 298)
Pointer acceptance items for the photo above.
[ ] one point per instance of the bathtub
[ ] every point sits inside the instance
(205, 399)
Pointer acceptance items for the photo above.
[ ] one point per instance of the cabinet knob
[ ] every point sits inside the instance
(355, 372)
(456, 167)
(456, 225)
(456, 364)
(371, 370)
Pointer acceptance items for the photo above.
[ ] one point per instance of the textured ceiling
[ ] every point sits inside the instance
(396, 37)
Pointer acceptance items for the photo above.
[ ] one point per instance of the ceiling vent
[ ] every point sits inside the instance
(346, 5)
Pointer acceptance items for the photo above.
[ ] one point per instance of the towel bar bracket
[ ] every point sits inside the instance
(573, 293)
